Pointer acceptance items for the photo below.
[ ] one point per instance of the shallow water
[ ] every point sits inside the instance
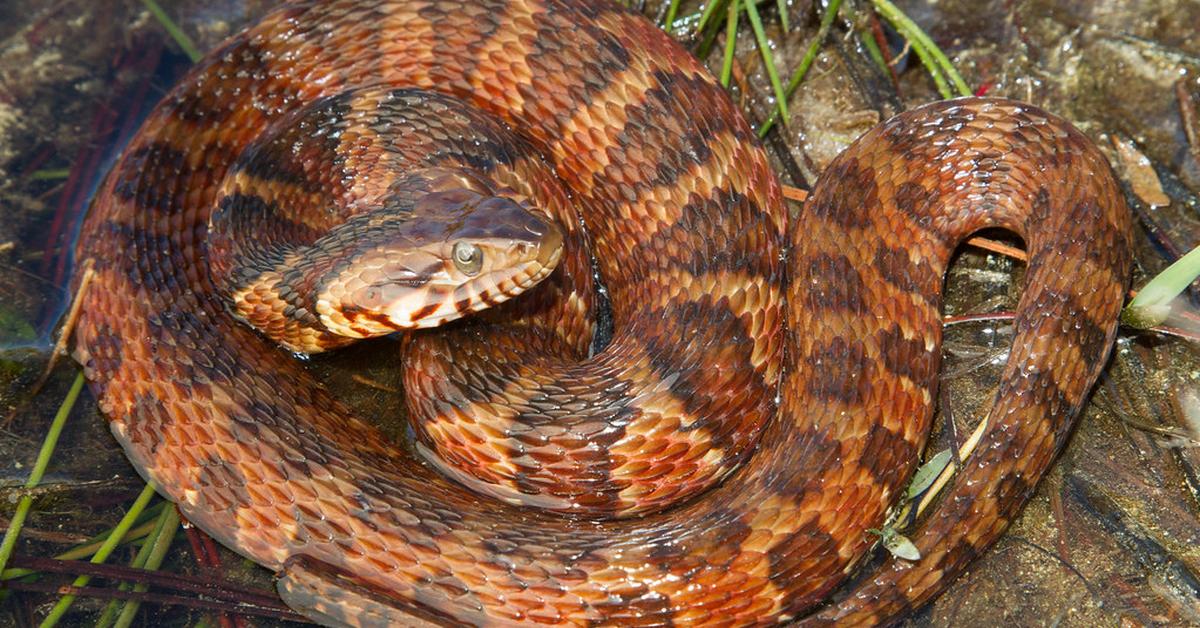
(1113, 534)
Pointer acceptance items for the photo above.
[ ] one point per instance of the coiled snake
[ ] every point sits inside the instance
(823, 332)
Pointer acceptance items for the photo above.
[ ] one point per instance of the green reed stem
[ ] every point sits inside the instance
(114, 539)
(731, 24)
(810, 55)
(1152, 304)
(86, 550)
(932, 57)
(151, 557)
(176, 33)
(39, 470)
(764, 48)
(782, 8)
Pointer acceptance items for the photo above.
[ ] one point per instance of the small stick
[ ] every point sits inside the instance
(1187, 114)
(996, 247)
(367, 381)
(795, 194)
(60, 347)
(188, 601)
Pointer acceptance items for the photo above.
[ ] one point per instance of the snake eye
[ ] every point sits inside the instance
(468, 258)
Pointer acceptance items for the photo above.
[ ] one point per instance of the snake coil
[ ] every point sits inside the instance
(690, 232)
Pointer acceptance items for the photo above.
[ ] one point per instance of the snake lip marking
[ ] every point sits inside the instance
(749, 415)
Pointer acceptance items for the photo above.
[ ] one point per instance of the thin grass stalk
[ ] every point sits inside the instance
(932, 57)
(1152, 304)
(781, 6)
(764, 49)
(160, 543)
(86, 550)
(181, 38)
(868, 42)
(114, 539)
(39, 470)
(810, 55)
(731, 24)
(164, 533)
(708, 36)
(672, 11)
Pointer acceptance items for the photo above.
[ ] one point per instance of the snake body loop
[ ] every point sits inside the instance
(686, 221)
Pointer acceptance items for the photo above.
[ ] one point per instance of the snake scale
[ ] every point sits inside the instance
(822, 330)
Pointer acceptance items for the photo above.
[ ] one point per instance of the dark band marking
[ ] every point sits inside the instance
(1075, 323)
(887, 454)
(439, 129)
(141, 257)
(840, 371)
(423, 312)
(908, 357)
(962, 554)
(149, 174)
(470, 23)
(597, 57)
(895, 266)
(829, 283)
(909, 134)
(799, 553)
(224, 486)
(727, 231)
(250, 236)
(146, 421)
(701, 374)
(241, 68)
(105, 348)
(671, 143)
(853, 199)
(303, 152)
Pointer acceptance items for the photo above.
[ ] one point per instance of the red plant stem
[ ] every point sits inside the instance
(189, 601)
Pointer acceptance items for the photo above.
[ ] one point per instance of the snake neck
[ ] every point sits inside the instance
(370, 212)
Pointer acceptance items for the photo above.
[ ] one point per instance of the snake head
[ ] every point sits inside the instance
(456, 252)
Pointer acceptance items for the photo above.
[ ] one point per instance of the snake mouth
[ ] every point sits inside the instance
(550, 252)
(544, 266)
(433, 304)
(501, 285)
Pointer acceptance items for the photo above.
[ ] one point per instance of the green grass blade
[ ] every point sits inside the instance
(932, 57)
(709, 11)
(39, 470)
(810, 55)
(731, 24)
(64, 603)
(872, 47)
(142, 528)
(764, 48)
(176, 33)
(1152, 304)
(927, 473)
(51, 174)
(672, 11)
(930, 64)
(139, 561)
(707, 34)
(151, 557)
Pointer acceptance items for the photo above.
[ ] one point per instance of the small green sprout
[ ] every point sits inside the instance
(897, 544)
